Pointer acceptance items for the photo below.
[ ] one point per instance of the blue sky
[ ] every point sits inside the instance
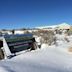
(33, 13)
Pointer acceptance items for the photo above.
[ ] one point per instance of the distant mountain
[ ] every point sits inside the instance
(54, 26)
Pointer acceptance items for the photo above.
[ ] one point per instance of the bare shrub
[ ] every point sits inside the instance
(66, 39)
(70, 49)
(69, 32)
(35, 33)
(48, 37)
(27, 32)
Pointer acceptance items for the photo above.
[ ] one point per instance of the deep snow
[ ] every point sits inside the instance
(47, 59)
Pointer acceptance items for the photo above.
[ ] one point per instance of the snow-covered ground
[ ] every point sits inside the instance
(47, 59)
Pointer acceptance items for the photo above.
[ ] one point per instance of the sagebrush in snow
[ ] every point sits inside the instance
(47, 36)
(70, 49)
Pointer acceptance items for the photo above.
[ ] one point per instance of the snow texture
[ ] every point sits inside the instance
(47, 59)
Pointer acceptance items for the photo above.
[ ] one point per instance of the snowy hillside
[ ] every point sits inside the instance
(54, 26)
(47, 59)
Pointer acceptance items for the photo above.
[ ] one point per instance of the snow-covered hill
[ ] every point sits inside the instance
(55, 26)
